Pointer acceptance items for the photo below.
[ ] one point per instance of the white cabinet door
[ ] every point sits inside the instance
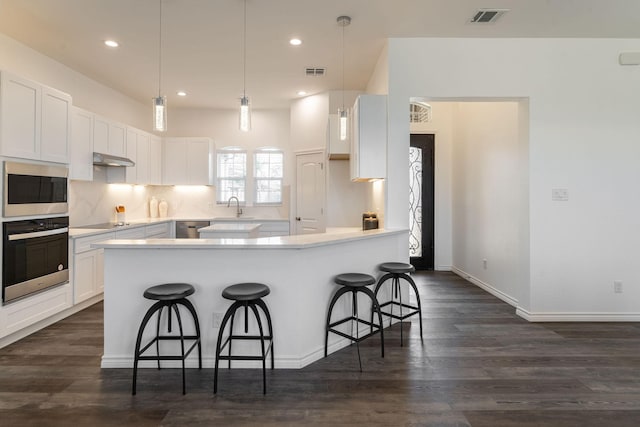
(20, 114)
(155, 161)
(56, 126)
(142, 158)
(131, 233)
(131, 172)
(199, 161)
(99, 286)
(117, 139)
(84, 276)
(175, 162)
(81, 151)
(369, 138)
(188, 161)
(100, 135)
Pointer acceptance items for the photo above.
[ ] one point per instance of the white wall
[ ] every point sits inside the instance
(486, 189)
(583, 133)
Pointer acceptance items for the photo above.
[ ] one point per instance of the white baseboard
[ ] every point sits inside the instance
(487, 287)
(444, 268)
(577, 317)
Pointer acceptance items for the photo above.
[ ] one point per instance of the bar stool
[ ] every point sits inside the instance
(249, 296)
(354, 283)
(168, 295)
(396, 271)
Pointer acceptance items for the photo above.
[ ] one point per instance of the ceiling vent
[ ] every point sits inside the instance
(315, 71)
(487, 16)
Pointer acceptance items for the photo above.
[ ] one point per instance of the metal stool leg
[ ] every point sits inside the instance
(136, 354)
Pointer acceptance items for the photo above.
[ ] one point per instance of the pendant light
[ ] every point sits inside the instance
(160, 103)
(343, 21)
(245, 109)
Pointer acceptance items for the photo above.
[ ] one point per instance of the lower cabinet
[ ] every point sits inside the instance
(88, 267)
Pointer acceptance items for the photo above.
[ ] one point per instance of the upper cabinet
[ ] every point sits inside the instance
(369, 138)
(81, 152)
(35, 120)
(188, 161)
(109, 137)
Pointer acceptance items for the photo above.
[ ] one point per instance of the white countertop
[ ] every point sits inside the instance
(80, 231)
(332, 236)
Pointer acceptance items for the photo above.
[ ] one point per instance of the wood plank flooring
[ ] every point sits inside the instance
(479, 365)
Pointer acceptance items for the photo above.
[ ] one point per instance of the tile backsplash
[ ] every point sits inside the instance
(94, 202)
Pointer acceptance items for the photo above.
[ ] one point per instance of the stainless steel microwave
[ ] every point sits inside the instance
(35, 189)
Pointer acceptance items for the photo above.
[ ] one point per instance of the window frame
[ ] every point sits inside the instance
(256, 178)
(219, 177)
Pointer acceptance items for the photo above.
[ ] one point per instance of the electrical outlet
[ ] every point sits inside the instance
(617, 286)
(217, 320)
(484, 264)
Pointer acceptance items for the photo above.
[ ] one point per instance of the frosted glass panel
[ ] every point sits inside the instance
(415, 202)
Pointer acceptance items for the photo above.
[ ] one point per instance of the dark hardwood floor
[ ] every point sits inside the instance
(480, 365)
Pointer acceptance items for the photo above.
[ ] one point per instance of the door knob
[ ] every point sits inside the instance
(297, 218)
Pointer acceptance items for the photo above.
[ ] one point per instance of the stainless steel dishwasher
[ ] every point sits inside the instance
(189, 229)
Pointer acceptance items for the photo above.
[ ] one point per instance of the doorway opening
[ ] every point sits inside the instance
(421, 201)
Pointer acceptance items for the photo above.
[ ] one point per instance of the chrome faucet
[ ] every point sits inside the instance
(238, 210)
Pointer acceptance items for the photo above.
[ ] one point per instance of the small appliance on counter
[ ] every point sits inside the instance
(369, 221)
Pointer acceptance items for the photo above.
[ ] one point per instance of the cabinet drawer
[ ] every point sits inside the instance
(158, 230)
(83, 244)
(131, 233)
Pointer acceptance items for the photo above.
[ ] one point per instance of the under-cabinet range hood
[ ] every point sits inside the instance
(101, 159)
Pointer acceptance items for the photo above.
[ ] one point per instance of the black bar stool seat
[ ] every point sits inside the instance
(396, 271)
(168, 295)
(249, 296)
(354, 283)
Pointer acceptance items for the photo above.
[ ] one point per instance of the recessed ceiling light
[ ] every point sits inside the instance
(302, 92)
(111, 43)
(182, 93)
(295, 42)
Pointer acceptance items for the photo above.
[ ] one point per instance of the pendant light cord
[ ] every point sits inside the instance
(160, 53)
(342, 67)
(244, 52)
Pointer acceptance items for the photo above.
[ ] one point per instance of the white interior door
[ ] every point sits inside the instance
(310, 193)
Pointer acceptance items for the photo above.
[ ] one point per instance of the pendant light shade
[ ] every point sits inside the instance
(343, 124)
(245, 114)
(245, 110)
(160, 102)
(160, 113)
(343, 21)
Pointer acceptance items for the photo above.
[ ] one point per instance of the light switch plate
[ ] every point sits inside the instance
(559, 194)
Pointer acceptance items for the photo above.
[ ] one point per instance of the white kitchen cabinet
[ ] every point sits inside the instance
(188, 161)
(155, 161)
(338, 149)
(109, 137)
(35, 120)
(88, 266)
(369, 138)
(133, 233)
(142, 156)
(159, 231)
(81, 147)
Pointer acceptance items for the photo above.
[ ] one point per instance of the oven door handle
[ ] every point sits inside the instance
(24, 236)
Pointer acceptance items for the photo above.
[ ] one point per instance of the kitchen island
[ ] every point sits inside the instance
(298, 269)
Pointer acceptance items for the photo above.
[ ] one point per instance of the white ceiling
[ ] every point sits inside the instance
(202, 39)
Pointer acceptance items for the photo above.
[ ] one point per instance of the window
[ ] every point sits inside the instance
(232, 173)
(268, 168)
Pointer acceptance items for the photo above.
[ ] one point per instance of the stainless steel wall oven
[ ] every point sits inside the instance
(34, 189)
(35, 256)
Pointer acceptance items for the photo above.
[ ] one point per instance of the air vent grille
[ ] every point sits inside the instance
(487, 16)
(315, 71)
(419, 112)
